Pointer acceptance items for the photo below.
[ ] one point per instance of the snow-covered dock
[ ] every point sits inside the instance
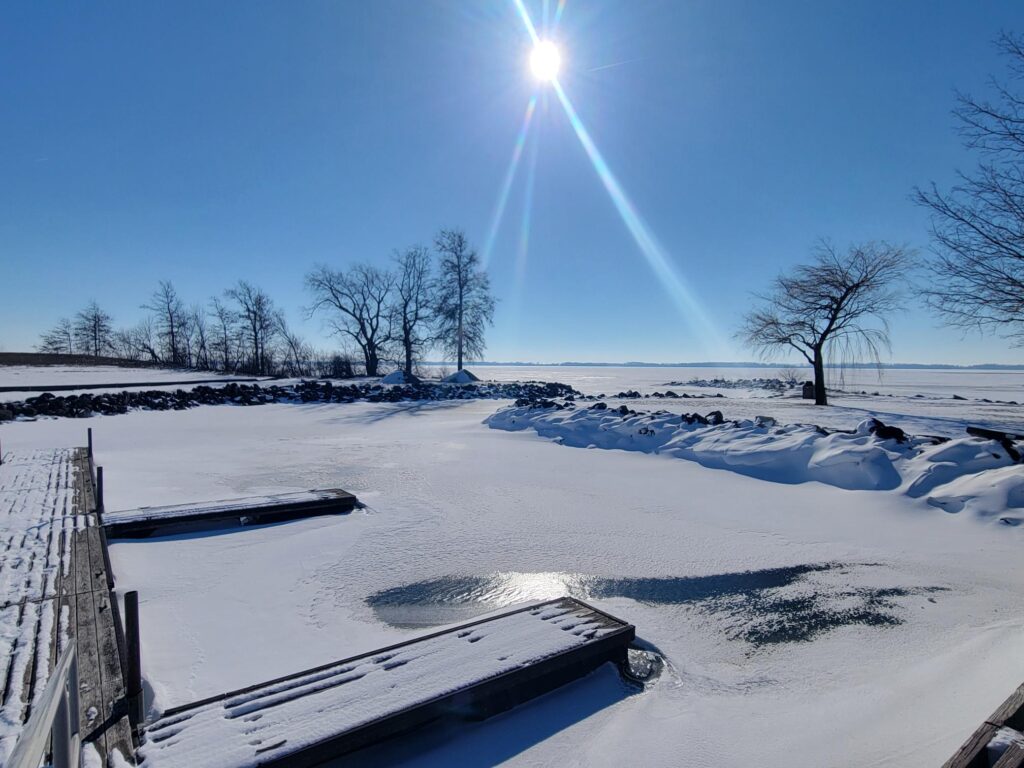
(999, 741)
(149, 521)
(474, 670)
(56, 590)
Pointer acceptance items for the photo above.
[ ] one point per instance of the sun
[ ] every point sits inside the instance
(545, 60)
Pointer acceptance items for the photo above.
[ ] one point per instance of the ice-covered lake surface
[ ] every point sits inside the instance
(849, 627)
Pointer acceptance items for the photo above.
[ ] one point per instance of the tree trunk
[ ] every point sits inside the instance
(371, 364)
(408, 357)
(820, 397)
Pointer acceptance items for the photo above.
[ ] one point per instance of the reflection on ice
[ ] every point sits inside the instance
(768, 606)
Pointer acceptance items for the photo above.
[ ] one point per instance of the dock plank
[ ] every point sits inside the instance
(56, 590)
(164, 520)
(475, 669)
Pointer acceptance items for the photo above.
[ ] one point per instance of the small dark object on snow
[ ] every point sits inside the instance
(885, 432)
(715, 417)
(599, 407)
(807, 393)
(959, 397)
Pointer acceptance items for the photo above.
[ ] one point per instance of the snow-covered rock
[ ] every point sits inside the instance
(400, 377)
(461, 377)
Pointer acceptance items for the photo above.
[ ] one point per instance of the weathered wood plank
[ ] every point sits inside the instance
(91, 707)
(1013, 757)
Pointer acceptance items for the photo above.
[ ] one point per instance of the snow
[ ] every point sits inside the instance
(966, 472)
(281, 717)
(460, 377)
(449, 497)
(399, 377)
(935, 412)
(88, 375)
(35, 510)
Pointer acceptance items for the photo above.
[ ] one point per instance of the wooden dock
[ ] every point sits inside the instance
(254, 510)
(57, 590)
(474, 670)
(1006, 724)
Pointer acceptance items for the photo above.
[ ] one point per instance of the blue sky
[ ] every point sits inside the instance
(205, 142)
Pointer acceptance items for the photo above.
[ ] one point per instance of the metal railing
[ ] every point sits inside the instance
(54, 720)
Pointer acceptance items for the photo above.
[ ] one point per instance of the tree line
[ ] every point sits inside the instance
(380, 315)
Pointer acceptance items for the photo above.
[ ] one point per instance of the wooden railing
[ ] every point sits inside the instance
(54, 721)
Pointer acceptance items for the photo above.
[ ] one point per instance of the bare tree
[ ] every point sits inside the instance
(978, 226)
(93, 330)
(144, 339)
(413, 303)
(828, 307)
(60, 339)
(200, 346)
(357, 302)
(224, 333)
(464, 305)
(297, 354)
(170, 316)
(257, 319)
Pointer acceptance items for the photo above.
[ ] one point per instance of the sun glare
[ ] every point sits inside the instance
(545, 60)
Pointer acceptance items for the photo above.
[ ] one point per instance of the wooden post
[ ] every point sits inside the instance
(89, 433)
(1, 452)
(133, 682)
(99, 489)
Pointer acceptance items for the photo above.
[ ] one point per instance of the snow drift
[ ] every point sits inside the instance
(969, 473)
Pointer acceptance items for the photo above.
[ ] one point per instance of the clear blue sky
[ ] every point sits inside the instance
(203, 142)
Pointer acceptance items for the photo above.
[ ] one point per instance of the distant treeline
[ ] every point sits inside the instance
(380, 316)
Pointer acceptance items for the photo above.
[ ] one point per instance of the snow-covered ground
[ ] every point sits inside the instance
(849, 627)
(89, 376)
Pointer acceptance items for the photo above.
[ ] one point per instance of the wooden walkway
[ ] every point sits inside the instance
(254, 510)
(56, 589)
(475, 670)
(1002, 732)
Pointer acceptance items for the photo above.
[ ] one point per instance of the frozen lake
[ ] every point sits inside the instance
(794, 619)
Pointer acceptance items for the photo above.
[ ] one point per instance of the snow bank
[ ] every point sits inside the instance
(964, 473)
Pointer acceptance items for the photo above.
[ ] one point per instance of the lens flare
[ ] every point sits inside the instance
(545, 61)
(656, 257)
(510, 176)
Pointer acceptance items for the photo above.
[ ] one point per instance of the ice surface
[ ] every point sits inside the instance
(448, 496)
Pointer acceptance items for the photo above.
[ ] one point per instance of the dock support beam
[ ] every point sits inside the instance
(88, 431)
(99, 489)
(133, 683)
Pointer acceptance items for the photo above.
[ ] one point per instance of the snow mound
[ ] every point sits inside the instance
(400, 377)
(968, 473)
(461, 377)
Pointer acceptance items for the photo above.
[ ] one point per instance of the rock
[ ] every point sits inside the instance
(764, 421)
(6, 415)
(715, 417)
(807, 391)
(959, 397)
